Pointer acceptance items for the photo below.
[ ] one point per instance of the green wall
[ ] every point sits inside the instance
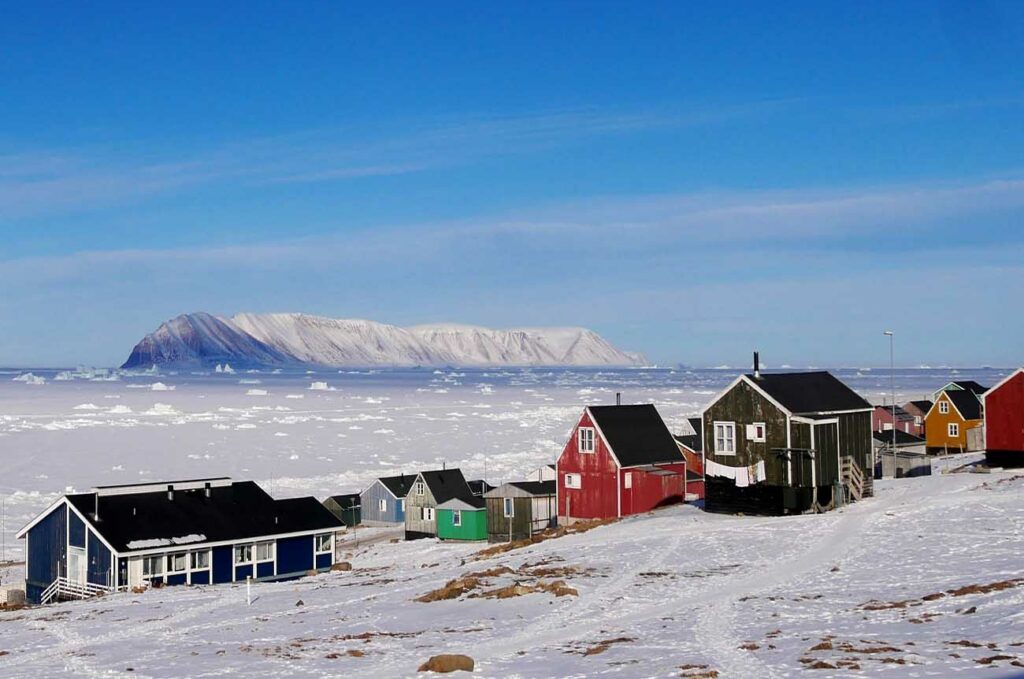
(474, 525)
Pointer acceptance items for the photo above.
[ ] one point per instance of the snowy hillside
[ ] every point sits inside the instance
(924, 580)
(283, 339)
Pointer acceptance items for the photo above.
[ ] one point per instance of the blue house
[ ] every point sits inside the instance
(197, 532)
(383, 503)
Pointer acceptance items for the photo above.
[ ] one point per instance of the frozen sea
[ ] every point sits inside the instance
(328, 432)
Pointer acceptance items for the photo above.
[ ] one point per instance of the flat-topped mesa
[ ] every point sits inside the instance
(282, 339)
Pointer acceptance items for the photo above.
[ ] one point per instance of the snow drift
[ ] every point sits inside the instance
(300, 339)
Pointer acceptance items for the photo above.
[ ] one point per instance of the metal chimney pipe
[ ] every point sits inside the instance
(208, 489)
(96, 508)
(170, 493)
(757, 364)
(618, 398)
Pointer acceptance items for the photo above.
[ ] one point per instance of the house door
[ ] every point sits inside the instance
(76, 564)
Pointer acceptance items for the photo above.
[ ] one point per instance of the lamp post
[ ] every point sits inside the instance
(892, 387)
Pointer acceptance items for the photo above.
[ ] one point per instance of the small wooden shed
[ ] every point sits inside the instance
(462, 519)
(518, 509)
(347, 508)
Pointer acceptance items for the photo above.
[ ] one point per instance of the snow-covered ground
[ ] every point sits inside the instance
(685, 588)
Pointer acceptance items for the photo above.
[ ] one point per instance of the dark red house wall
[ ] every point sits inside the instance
(1004, 416)
(596, 499)
(651, 490)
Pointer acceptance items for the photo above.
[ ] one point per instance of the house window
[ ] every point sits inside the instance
(573, 481)
(176, 563)
(401, 504)
(629, 480)
(427, 513)
(756, 432)
(264, 551)
(586, 440)
(944, 407)
(200, 560)
(382, 505)
(887, 426)
(456, 517)
(243, 554)
(725, 438)
(917, 420)
(420, 489)
(954, 430)
(324, 543)
(510, 508)
(152, 566)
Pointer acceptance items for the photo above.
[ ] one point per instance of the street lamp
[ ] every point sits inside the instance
(892, 386)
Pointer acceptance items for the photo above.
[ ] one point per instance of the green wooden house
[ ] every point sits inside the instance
(462, 519)
(347, 508)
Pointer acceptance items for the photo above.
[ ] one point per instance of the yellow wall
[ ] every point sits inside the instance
(936, 427)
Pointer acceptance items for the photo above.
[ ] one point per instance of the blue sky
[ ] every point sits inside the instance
(692, 181)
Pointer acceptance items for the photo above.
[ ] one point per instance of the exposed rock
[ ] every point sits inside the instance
(448, 663)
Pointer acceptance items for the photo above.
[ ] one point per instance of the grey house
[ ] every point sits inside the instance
(430, 489)
(383, 503)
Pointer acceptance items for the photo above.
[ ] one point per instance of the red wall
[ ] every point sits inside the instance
(651, 490)
(596, 499)
(1004, 416)
(882, 416)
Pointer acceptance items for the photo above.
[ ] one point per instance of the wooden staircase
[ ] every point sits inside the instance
(857, 486)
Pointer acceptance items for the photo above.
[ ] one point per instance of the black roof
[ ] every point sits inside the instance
(239, 511)
(967, 403)
(535, 487)
(346, 500)
(902, 437)
(971, 386)
(923, 405)
(398, 485)
(479, 486)
(691, 441)
(444, 484)
(636, 434)
(810, 392)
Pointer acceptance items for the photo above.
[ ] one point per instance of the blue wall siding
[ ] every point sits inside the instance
(243, 572)
(46, 551)
(201, 577)
(223, 568)
(265, 570)
(76, 530)
(323, 560)
(295, 555)
(370, 505)
(177, 579)
(99, 572)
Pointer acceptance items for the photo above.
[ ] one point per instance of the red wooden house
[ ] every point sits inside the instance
(621, 460)
(1004, 422)
(884, 417)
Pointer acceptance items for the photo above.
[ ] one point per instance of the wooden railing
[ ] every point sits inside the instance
(853, 478)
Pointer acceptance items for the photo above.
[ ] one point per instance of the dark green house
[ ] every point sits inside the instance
(462, 519)
(346, 507)
(518, 509)
(783, 443)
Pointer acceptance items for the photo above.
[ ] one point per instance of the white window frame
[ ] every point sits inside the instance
(573, 481)
(944, 407)
(427, 514)
(953, 430)
(752, 432)
(421, 488)
(917, 420)
(587, 440)
(628, 480)
(193, 559)
(456, 517)
(171, 568)
(726, 426)
(147, 570)
(382, 504)
(271, 551)
(243, 554)
(323, 543)
(509, 508)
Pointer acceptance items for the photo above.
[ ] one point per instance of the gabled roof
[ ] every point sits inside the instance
(966, 403)
(636, 434)
(347, 500)
(969, 385)
(523, 489)
(470, 504)
(445, 484)
(998, 385)
(239, 511)
(694, 441)
(398, 485)
(902, 437)
(809, 392)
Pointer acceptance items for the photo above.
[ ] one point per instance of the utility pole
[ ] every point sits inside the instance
(892, 387)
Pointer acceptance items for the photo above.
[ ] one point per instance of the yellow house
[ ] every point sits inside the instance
(951, 417)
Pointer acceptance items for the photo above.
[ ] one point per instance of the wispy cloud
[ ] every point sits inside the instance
(47, 181)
